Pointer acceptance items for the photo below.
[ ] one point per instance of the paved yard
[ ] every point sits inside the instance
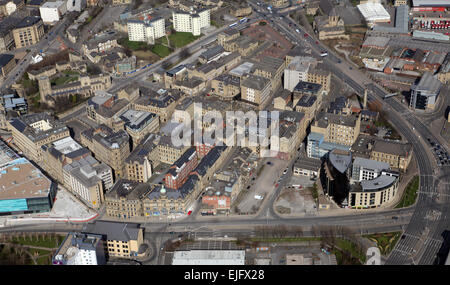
(263, 185)
(294, 201)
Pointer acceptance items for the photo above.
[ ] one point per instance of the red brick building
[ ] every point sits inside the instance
(214, 201)
(179, 171)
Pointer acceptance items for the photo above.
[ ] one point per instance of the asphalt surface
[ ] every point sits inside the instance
(430, 216)
(423, 235)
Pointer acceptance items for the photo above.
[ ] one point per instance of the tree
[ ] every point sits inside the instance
(185, 53)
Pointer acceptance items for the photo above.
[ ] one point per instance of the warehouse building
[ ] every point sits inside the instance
(24, 188)
(209, 257)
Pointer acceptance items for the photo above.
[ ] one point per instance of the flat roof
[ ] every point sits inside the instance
(246, 67)
(377, 184)
(370, 164)
(19, 179)
(431, 3)
(209, 257)
(374, 12)
(66, 145)
(340, 159)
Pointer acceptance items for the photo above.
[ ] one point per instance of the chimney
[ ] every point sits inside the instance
(365, 99)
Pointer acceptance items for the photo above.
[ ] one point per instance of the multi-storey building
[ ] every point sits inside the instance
(227, 35)
(121, 2)
(367, 169)
(271, 68)
(85, 86)
(331, 131)
(161, 102)
(398, 155)
(60, 153)
(108, 146)
(121, 240)
(226, 86)
(373, 193)
(124, 199)
(28, 32)
(167, 151)
(297, 71)
(425, 93)
(191, 22)
(139, 124)
(100, 44)
(7, 7)
(179, 171)
(80, 249)
(24, 188)
(139, 163)
(105, 108)
(32, 131)
(256, 89)
(320, 75)
(52, 12)
(7, 63)
(307, 98)
(88, 179)
(146, 30)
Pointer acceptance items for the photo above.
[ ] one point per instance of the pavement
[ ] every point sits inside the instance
(423, 238)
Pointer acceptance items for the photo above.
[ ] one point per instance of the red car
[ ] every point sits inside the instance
(306, 35)
(190, 212)
(317, 42)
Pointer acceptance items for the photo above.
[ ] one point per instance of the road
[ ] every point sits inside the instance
(17, 72)
(430, 216)
(423, 235)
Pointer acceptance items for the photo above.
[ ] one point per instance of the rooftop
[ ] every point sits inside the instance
(370, 164)
(428, 83)
(5, 59)
(38, 126)
(307, 87)
(255, 82)
(242, 69)
(115, 231)
(376, 184)
(340, 159)
(209, 257)
(19, 179)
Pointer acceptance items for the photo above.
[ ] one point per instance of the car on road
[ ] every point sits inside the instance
(269, 163)
(317, 42)
(285, 171)
(305, 35)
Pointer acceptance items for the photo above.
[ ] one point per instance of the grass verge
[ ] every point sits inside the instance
(410, 194)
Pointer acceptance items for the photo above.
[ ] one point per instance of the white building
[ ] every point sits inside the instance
(297, 71)
(80, 249)
(209, 257)
(76, 5)
(367, 169)
(146, 30)
(191, 22)
(10, 7)
(89, 179)
(374, 13)
(52, 12)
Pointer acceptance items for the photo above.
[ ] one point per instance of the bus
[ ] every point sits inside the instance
(243, 20)
(389, 95)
